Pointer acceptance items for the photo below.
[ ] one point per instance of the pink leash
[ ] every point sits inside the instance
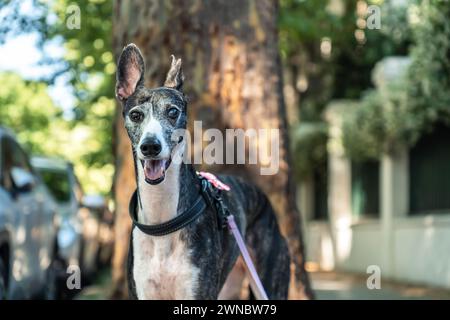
(255, 281)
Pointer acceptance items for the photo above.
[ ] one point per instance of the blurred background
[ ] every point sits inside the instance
(360, 91)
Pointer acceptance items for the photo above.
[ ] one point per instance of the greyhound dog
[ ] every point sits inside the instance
(194, 261)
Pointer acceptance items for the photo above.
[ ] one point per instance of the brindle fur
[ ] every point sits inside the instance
(212, 249)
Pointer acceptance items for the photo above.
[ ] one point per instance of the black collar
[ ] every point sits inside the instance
(175, 224)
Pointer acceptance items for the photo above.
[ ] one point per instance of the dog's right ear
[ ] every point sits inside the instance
(130, 72)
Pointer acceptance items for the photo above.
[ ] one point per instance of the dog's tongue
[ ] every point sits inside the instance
(154, 169)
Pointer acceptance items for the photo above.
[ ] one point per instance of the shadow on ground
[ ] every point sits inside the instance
(99, 289)
(327, 286)
(347, 286)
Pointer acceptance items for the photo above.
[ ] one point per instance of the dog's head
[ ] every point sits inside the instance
(151, 116)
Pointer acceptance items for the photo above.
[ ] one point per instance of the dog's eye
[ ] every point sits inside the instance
(173, 113)
(136, 116)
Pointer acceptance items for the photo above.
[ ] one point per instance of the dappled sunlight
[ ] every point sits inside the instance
(343, 238)
(347, 100)
(20, 268)
(327, 258)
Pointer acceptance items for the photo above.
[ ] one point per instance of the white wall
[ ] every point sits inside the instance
(421, 249)
(414, 249)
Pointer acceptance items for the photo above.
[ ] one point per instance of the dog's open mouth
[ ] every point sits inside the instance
(155, 170)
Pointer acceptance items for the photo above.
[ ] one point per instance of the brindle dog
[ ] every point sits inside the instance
(194, 262)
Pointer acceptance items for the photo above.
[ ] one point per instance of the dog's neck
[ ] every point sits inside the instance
(174, 195)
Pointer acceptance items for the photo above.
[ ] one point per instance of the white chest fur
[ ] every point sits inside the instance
(162, 267)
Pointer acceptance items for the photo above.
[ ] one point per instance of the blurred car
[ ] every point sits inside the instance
(99, 207)
(57, 177)
(78, 240)
(27, 227)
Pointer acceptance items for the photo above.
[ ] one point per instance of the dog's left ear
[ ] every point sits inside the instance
(175, 77)
(130, 72)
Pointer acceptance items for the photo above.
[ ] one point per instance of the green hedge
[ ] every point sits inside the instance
(415, 104)
(429, 85)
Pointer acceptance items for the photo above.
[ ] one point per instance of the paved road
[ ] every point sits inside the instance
(327, 285)
(343, 286)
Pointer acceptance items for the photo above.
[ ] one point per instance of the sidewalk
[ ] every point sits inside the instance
(326, 285)
(347, 286)
(100, 289)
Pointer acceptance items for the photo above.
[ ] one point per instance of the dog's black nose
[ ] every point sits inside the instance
(151, 147)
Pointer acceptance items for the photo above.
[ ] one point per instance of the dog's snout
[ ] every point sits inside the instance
(151, 147)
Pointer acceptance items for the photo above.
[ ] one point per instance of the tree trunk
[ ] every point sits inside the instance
(124, 185)
(233, 80)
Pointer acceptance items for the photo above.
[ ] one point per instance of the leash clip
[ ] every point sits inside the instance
(215, 194)
(219, 204)
(223, 211)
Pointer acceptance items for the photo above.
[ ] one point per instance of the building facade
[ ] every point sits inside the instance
(393, 213)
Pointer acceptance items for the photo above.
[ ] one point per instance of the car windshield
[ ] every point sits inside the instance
(58, 183)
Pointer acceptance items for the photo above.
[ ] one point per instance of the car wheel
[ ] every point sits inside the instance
(53, 287)
(51, 284)
(3, 275)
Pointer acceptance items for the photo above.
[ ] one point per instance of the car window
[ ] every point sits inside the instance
(58, 183)
(13, 158)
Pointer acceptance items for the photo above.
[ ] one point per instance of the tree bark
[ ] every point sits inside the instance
(233, 76)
